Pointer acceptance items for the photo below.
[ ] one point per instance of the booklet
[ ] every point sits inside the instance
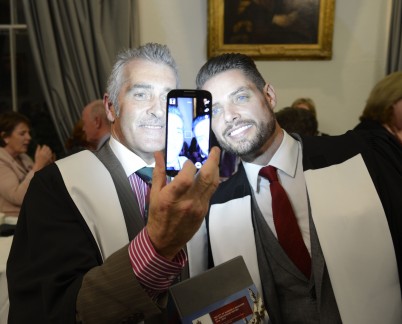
(224, 294)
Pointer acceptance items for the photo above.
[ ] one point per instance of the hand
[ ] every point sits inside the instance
(177, 209)
(43, 157)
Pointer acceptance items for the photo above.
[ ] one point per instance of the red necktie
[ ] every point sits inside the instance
(287, 229)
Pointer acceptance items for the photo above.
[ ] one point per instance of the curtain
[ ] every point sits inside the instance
(394, 62)
(74, 44)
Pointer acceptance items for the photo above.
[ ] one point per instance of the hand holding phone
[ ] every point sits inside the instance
(188, 127)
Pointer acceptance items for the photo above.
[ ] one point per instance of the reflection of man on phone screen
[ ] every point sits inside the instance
(175, 140)
(201, 127)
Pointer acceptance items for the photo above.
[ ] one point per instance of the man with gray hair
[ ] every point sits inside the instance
(92, 244)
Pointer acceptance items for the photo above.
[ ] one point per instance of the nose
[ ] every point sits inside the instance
(157, 107)
(231, 113)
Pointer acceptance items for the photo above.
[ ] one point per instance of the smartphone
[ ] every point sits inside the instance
(188, 128)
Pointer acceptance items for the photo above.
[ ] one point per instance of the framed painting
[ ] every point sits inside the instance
(272, 29)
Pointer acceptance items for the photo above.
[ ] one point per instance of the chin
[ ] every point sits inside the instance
(150, 146)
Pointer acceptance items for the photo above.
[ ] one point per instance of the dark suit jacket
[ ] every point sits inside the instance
(380, 157)
(55, 271)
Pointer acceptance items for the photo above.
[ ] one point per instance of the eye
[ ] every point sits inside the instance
(241, 98)
(216, 110)
(163, 97)
(142, 95)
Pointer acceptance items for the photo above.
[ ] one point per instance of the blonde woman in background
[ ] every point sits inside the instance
(383, 109)
(16, 167)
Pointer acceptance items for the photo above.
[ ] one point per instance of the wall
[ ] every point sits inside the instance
(339, 87)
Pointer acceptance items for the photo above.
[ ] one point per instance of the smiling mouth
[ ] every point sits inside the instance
(152, 126)
(239, 130)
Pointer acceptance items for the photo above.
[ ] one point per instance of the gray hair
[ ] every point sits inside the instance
(230, 61)
(152, 52)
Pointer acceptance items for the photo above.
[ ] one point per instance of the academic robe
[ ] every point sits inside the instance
(69, 259)
(351, 181)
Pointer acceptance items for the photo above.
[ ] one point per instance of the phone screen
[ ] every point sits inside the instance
(188, 127)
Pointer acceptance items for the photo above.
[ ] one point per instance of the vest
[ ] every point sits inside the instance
(296, 297)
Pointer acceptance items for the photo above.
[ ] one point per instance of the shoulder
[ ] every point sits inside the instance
(323, 151)
(382, 155)
(4, 156)
(237, 186)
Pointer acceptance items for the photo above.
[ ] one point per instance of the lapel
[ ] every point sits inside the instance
(317, 259)
(129, 204)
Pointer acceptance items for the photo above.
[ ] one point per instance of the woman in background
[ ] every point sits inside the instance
(16, 167)
(383, 109)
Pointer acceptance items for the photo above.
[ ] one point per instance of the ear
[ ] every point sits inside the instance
(109, 108)
(97, 121)
(269, 93)
(4, 137)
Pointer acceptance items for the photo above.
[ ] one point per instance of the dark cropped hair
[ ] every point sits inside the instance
(296, 120)
(230, 61)
(8, 121)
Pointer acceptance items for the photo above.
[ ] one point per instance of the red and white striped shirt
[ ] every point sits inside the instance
(154, 272)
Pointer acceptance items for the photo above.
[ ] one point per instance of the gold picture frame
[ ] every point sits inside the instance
(266, 30)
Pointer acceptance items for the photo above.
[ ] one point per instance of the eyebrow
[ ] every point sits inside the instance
(140, 86)
(233, 94)
(146, 87)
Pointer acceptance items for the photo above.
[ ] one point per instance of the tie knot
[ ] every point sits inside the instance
(269, 172)
(145, 174)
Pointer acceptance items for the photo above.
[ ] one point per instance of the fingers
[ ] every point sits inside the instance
(159, 174)
(208, 177)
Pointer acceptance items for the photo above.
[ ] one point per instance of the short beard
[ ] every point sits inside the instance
(247, 150)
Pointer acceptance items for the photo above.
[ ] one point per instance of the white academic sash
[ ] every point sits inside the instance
(354, 236)
(91, 187)
(356, 242)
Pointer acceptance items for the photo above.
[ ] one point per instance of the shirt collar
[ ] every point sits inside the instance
(284, 159)
(130, 161)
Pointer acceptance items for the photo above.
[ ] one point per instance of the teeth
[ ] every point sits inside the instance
(152, 127)
(239, 130)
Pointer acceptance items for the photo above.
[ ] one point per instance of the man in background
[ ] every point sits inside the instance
(95, 125)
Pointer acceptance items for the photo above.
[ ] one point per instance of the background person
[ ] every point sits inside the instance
(16, 167)
(316, 261)
(307, 104)
(299, 121)
(95, 124)
(97, 256)
(77, 141)
(383, 110)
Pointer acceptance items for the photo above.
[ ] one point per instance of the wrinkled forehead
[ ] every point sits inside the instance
(153, 74)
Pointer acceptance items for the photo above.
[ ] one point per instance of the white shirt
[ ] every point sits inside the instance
(130, 161)
(288, 160)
